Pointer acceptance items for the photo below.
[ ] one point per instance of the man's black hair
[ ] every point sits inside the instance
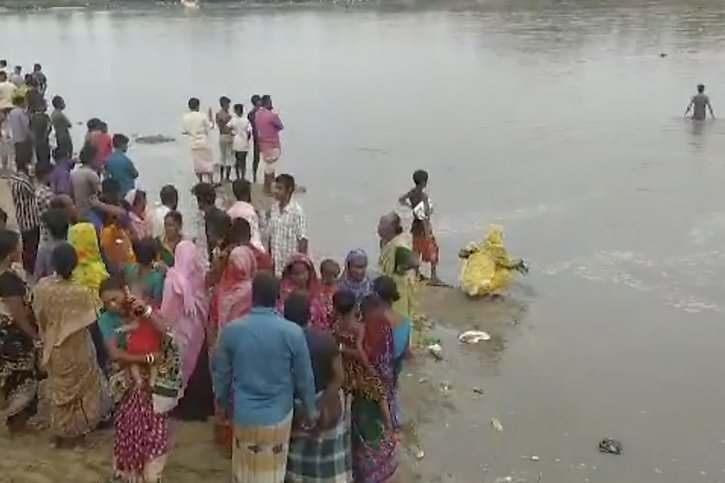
(169, 195)
(87, 154)
(286, 180)
(265, 290)
(57, 223)
(242, 190)
(297, 308)
(120, 140)
(204, 192)
(8, 243)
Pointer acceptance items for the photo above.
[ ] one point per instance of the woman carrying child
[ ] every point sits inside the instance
(141, 434)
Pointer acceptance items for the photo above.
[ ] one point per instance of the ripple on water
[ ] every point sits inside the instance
(670, 279)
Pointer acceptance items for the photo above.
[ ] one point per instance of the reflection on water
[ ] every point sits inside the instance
(559, 119)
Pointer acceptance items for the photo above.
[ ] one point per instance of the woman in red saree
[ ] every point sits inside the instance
(300, 275)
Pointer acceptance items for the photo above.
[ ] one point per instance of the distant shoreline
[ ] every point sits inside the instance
(29, 5)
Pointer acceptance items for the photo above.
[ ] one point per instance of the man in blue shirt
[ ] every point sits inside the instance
(120, 167)
(263, 360)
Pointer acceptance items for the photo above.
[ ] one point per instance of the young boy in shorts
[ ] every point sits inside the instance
(424, 241)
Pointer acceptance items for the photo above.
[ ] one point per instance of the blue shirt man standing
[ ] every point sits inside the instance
(263, 360)
(120, 167)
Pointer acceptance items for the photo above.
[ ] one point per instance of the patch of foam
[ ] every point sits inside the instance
(661, 277)
(707, 227)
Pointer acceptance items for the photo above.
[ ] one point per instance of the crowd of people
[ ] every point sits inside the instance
(134, 316)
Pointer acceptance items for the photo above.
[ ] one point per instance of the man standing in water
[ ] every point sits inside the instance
(697, 105)
(226, 157)
(268, 127)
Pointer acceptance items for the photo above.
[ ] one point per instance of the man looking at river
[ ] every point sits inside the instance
(697, 105)
(268, 127)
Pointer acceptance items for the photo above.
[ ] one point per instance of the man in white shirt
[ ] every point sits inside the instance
(7, 91)
(169, 202)
(242, 130)
(196, 127)
(243, 208)
(17, 77)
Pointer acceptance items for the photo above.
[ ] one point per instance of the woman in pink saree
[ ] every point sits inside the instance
(232, 300)
(185, 305)
(233, 292)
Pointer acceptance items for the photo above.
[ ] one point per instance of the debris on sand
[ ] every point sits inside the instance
(496, 424)
(436, 351)
(445, 387)
(478, 390)
(473, 337)
(611, 446)
(153, 139)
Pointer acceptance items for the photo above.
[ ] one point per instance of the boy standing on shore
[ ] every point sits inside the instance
(424, 241)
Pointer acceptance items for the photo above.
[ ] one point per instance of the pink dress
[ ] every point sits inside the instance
(233, 294)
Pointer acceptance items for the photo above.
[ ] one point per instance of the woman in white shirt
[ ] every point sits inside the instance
(242, 133)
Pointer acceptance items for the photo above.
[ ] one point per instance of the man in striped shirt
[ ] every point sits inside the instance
(288, 224)
(26, 212)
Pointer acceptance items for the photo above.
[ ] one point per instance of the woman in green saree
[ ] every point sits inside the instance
(397, 261)
(173, 225)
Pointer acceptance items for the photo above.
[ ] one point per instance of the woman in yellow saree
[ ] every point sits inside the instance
(487, 266)
(91, 270)
(397, 261)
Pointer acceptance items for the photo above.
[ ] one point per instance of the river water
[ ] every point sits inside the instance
(558, 119)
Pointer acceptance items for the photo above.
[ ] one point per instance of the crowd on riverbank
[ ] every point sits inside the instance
(129, 312)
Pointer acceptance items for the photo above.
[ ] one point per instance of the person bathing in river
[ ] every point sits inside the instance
(699, 103)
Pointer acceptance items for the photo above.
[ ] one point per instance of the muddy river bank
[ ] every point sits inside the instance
(560, 120)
